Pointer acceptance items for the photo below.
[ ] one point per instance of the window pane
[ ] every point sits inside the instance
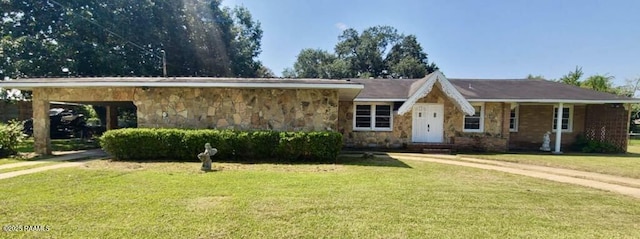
(472, 123)
(364, 122)
(513, 119)
(565, 118)
(363, 110)
(383, 122)
(383, 110)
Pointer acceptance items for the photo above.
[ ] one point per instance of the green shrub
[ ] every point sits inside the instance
(184, 145)
(585, 145)
(10, 136)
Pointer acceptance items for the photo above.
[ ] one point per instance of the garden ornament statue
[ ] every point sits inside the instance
(205, 157)
(545, 142)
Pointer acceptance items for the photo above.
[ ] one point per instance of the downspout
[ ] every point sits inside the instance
(559, 129)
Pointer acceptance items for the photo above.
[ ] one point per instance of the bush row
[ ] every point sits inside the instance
(185, 144)
(10, 137)
(585, 145)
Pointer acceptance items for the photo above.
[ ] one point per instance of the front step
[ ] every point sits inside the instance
(437, 151)
(432, 148)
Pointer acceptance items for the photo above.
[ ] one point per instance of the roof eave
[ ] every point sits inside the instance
(284, 85)
(448, 89)
(380, 99)
(570, 101)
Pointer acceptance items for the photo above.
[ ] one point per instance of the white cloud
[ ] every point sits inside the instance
(341, 26)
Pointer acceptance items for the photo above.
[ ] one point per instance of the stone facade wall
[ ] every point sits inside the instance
(220, 108)
(535, 120)
(494, 126)
(608, 123)
(275, 109)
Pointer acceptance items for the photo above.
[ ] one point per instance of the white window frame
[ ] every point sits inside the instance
(569, 125)
(516, 119)
(373, 117)
(481, 120)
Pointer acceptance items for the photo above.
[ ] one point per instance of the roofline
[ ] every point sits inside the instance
(448, 89)
(633, 100)
(31, 85)
(378, 99)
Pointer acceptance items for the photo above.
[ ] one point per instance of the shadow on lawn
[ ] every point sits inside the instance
(570, 153)
(343, 159)
(349, 159)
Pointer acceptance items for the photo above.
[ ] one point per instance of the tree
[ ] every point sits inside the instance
(601, 83)
(535, 77)
(379, 52)
(573, 77)
(316, 63)
(127, 38)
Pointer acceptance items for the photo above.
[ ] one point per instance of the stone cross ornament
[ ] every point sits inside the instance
(205, 157)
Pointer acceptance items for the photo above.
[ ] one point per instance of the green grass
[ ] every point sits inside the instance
(379, 198)
(10, 160)
(6, 170)
(26, 146)
(627, 165)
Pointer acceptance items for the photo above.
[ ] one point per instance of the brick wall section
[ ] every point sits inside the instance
(535, 120)
(606, 123)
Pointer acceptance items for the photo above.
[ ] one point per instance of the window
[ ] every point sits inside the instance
(513, 119)
(377, 117)
(567, 118)
(475, 122)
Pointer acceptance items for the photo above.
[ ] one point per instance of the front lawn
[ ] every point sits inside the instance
(627, 165)
(378, 198)
(26, 146)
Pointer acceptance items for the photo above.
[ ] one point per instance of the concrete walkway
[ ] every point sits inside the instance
(83, 155)
(622, 185)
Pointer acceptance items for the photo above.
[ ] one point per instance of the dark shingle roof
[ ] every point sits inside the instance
(525, 89)
(487, 89)
(385, 88)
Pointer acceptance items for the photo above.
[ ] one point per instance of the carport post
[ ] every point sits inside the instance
(112, 117)
(559, 128)
(41, 125)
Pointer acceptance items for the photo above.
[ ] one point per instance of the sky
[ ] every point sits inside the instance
(468, 38)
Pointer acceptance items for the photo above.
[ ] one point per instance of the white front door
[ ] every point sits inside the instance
(428, 123)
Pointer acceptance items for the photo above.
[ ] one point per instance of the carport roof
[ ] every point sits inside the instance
(177, 81)
(347, 89)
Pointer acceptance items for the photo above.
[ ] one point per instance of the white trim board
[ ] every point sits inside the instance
(377, 100)
(53, 84)
(630, 100)
(447, 88)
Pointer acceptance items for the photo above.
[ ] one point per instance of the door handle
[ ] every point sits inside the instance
(428, 127)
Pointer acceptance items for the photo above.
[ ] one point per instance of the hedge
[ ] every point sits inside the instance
(10, 137)
(185, 144)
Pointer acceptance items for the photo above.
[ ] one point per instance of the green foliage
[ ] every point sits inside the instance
(120, 37)
(573, 77)
(10, 137)
(379, 52)
(184, 145)
(602, 83)
(585, 145)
